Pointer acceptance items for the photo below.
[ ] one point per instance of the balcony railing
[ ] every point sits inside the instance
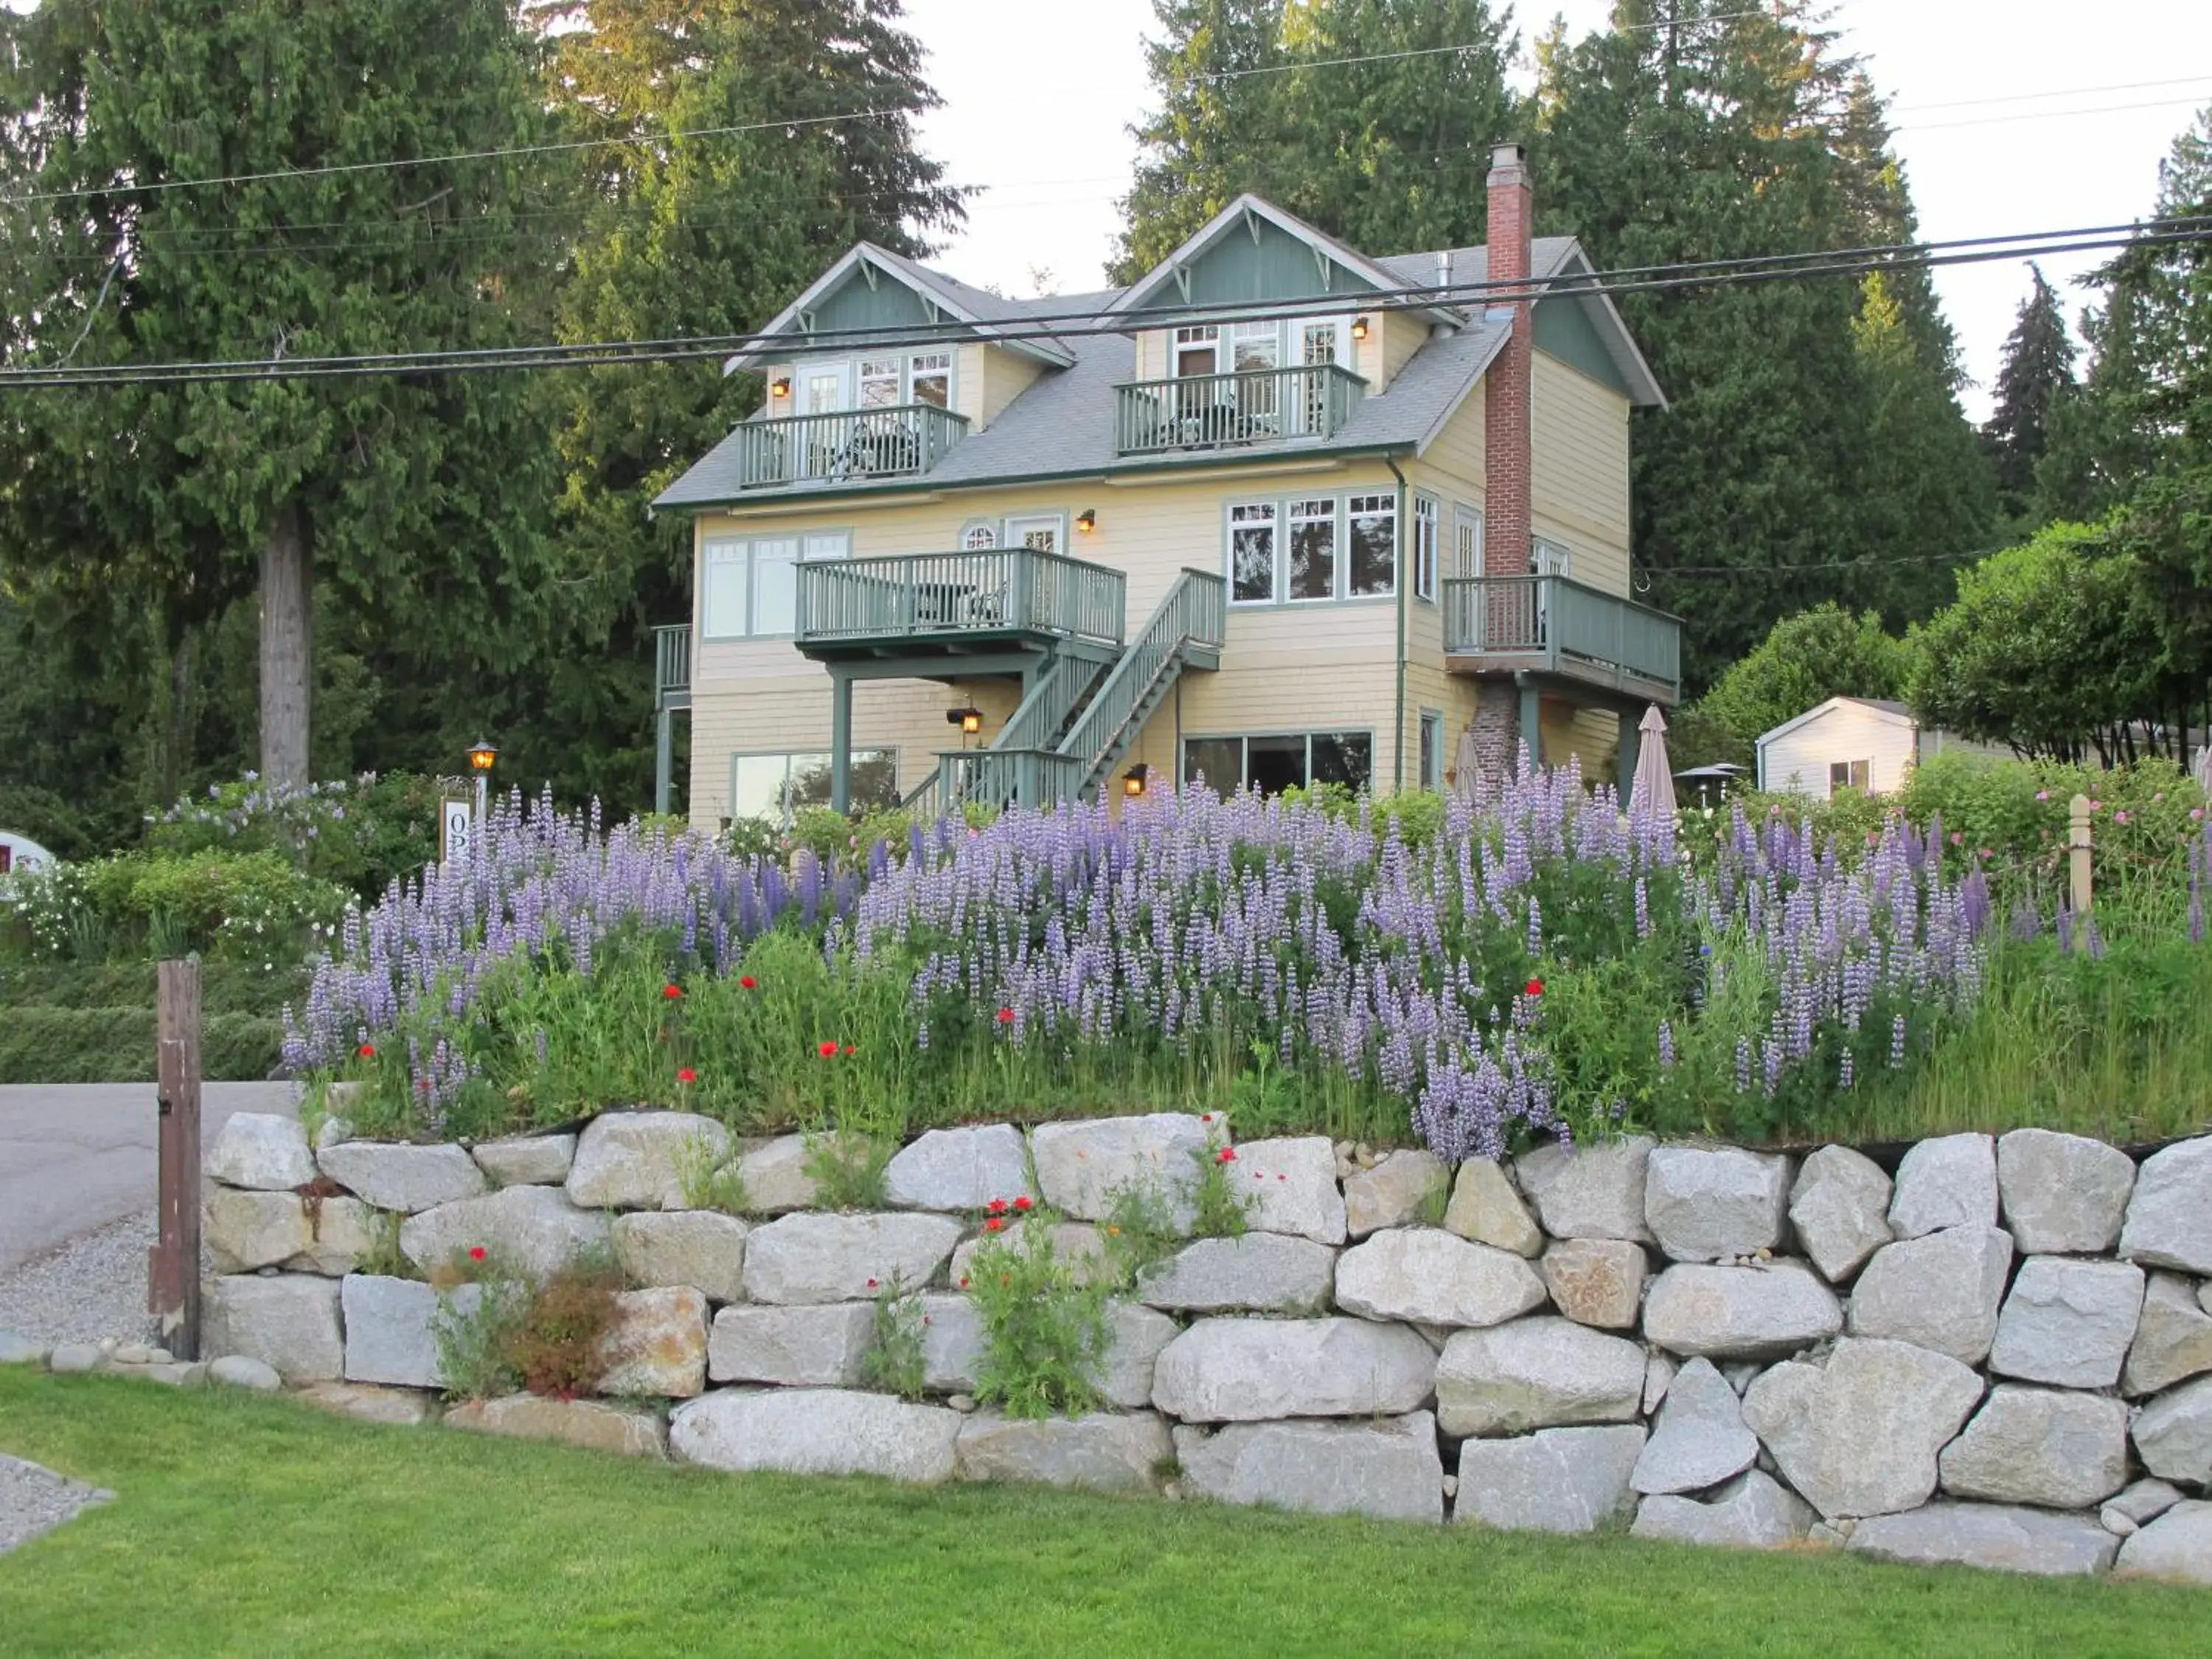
(1012, 590)
(672, 674)
(849, 445)
(1003, 777)
(1231, 411)
(1555, 624)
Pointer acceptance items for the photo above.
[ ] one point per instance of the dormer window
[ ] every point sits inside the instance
(880, 382)
(932, 378)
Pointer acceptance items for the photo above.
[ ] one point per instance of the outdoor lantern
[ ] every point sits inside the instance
(1086, 520)
(969, 719)
(482, 756)
(779, 386)
(1358, 328)
(480, 760)
(1133, 780)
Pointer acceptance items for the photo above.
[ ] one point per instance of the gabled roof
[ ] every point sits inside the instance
(1886, 708)
(1619, 344)
(1239, 215)
(984, 314)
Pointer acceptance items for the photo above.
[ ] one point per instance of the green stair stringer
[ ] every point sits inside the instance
(1185, 630)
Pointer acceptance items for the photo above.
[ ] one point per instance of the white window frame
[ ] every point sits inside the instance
(1019, 524)
(1547, 557)
(783, 811)
(1338, 553)
(741, 557)
(1397, 546)
(979, 535)
(733, 555)
(1273, 519)
(1190, 337)
(1466, 516)
(1428, 544)
(919, 363)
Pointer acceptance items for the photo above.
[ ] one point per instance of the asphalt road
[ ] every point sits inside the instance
(74, 1157)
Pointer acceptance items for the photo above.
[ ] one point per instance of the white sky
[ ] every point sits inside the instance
(1039, 95)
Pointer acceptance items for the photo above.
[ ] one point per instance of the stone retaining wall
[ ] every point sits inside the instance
(2000, 1353)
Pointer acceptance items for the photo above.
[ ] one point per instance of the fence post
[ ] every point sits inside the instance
(172, 1287)
(2077, 856)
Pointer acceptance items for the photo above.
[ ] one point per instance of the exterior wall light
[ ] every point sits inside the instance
(779, 386)
(1087, 520)
(969, 719)
(1358, 328)
(1133, 780)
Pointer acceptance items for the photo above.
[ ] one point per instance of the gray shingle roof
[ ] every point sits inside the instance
(1063, 424)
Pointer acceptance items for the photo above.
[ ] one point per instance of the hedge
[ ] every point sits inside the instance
(116, 1045)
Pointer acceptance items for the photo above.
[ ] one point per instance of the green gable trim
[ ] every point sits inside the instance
(889, 304)
(1258, 261)
(1565, 331)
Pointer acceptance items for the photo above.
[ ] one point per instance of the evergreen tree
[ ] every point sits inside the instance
(2036, 374)
(419, 501)
(706, 235)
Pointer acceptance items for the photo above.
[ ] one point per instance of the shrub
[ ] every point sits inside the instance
(361, 835)
(893, 1361)
(548, 1337)
(41, 1044)
(252, 907)
(1045, 1337)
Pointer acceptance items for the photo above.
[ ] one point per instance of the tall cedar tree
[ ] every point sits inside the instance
(419, 500)
(2036, 374)
(712, 235)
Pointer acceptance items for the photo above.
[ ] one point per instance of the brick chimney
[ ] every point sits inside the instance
(1507, 447)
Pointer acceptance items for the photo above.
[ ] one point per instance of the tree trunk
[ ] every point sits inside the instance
(288, 647)
(179, 720)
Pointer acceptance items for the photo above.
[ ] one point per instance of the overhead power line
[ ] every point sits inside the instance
(1048, 325)
(1438, 52)
(125, 187)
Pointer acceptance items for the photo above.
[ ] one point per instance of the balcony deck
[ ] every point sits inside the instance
(849, 445)
(1554, 625)
(1241, 411)
(672, 656)
(975, 604)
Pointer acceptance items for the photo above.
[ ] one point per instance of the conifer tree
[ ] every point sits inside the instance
(2035, 374)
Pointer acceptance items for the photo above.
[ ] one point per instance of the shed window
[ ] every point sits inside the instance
(1849, 775)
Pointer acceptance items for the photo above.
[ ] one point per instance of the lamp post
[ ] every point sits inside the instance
(480, 762)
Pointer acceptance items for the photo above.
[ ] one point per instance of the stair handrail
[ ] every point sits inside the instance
(1037, 720)
(1193, 611)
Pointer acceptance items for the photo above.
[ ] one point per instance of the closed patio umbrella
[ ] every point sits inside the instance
(1466, 767)
(1652, 789)
(2204, 769)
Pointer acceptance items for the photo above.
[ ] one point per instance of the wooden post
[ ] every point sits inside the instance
(2077, 856)
(173, 1290)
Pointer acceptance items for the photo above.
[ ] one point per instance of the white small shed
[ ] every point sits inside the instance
(1860, 743)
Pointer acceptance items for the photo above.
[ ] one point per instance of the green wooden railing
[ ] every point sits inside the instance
(671, 671)
(1006, 777)
(917, 595)
(1194, 616)
(1555, 624)
(1229, 412)
(901, 442)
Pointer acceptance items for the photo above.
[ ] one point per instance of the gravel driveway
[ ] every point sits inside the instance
(34, 1500)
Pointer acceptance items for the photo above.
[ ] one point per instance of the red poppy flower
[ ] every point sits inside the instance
(1535, 987)
(367, 1051)
(871, 1283)
(1024, 1203)
(477, 1253)
(828, 1050)
(1226, 1155)
(687, 1075)
(850, 1049)
(1005, 1016)
(671, 992)
(963, 1281)
(997, 1206)
(749, 982)
(993, 1224)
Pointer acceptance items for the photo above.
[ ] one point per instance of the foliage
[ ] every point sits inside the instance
(1138, 1228)
(95, 1044)
(892, 1362)
(1222, 1207)
(1045, 1333)
(710, 1182)
(1804, 661)
(420, 498)
(548, 1336)
(1541, 970)
(1814, 448)
(848, 1170)
(364, 834)
(2052, 648)
(250, 907)
(2035, 375)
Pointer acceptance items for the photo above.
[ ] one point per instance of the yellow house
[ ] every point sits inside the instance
(1281, 513)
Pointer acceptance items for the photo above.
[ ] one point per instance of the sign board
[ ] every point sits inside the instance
(20, 853)
(457, 828)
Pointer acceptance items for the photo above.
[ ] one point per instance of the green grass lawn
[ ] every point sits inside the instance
(250, 1526)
